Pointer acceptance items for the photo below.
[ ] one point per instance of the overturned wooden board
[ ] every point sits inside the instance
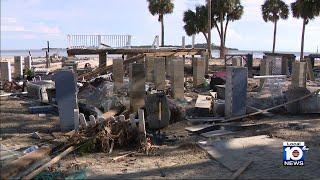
(216, 133)
(205, 119)
(199, 128)
(233, 153)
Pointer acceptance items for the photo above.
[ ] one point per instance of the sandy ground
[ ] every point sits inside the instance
(181, 158)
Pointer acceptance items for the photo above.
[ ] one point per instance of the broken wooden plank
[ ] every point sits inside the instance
(205, 119)
(216, 133)
(241, 170)
(16, 166)
(199, 128)
(118, 158)
(50, 163)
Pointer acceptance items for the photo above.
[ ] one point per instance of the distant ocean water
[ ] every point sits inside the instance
(63, 52)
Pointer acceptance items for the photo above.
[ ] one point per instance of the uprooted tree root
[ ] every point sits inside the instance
(105, 136)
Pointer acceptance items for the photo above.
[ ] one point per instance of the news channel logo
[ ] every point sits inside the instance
(294, 153)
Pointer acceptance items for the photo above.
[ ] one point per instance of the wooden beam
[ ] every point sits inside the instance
(24, 162)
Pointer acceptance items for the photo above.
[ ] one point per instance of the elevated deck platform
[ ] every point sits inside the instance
(136, 51)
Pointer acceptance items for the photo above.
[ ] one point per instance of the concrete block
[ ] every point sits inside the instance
(177, 78)
(299, 74)
(198, 71)
(236, 91)
(137, 86)
(102, 59)
(160, 73)
(18, 67)
(149, 65)
(118, 73)
(66, 96)
(28, 62)
(5, 70)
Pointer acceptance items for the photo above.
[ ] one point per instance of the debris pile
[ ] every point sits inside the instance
(106, 135)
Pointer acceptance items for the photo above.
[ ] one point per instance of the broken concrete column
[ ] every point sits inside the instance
(265, 69)
(149, 65)
(160, 73)
(5, 68)
(18, 67)
(118, 72)
(27, 62)
(177, 79)
(198, 71)
(236, 91)
(66, 96)
(299, 74)
(137, 86)
(102, 59)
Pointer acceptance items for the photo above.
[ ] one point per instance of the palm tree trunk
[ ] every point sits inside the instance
(162, 32)
(302, 39)
(274, 36)
(221, 38)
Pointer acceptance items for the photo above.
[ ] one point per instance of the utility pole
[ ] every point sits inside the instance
(209, 28)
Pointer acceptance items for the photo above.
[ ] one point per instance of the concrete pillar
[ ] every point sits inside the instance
(198, 71)
(236, 91)
(160, 73)
(18, 67)
(102, 59)
(149, 65)
(118, 72)
(66, 96)
(5, 70)
(27, 62)
(284, 65)
(177, 79)
(237, 61)
(265, 69)
(168, 66)
(250, 64)
(137, 86)
(299, 74)
(206, 58)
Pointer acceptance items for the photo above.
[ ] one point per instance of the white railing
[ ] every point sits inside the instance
(97, 41)
(155, 43)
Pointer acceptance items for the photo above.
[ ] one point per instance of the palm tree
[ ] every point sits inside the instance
(225, 11)
(273, 10)
(307, 10)
(196, 22)
(160, 8)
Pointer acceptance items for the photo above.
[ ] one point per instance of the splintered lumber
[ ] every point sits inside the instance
(269, 109)
(16, 166)
(241, 170)
(50, 163)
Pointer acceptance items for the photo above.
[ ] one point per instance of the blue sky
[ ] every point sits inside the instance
(28, 24)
